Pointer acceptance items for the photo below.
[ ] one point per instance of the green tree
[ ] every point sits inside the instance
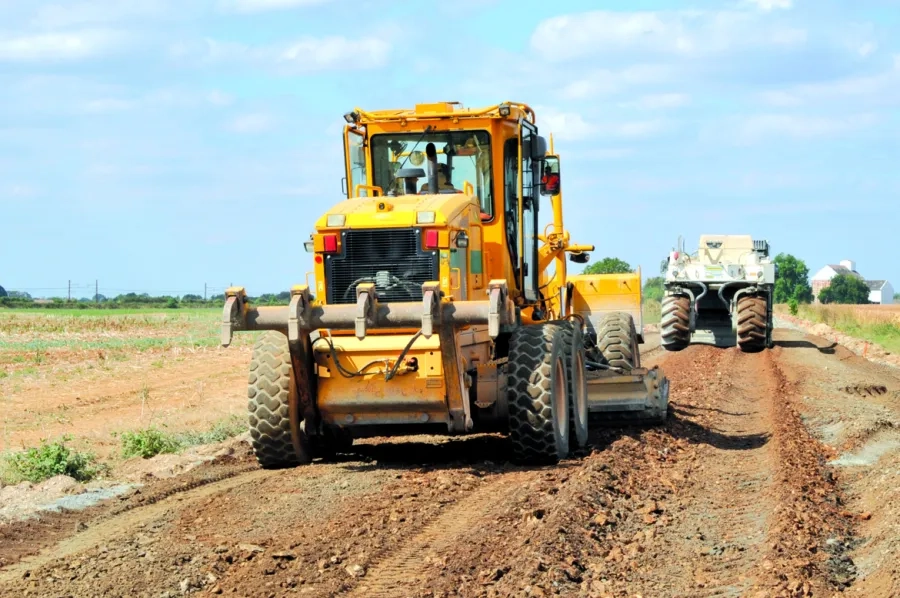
(653, 289)
(846, 289)
(608, 265)
(792, 281)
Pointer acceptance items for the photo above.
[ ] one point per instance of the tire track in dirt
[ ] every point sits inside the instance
(120, 520)
(721, 402)
(395, 574)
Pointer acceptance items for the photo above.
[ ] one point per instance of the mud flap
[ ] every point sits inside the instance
(639, 397)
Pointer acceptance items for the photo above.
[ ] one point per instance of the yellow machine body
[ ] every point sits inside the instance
(394, 349)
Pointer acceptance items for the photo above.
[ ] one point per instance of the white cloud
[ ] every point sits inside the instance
(18, 191)
(866, 48)
(566, 126)
(160, 98)
(604, 82)
(636, 129)
(611, 153)
(251, 6)
(659, 101)
(335, 52)
(770, 5)
(307, 54)
(108, 11)
(107, 105)
(52, 47)
(879, 89)
(682, 33)
(767, 126)
(572, 126)
(219, 98)
(779, 98)
(251, 123)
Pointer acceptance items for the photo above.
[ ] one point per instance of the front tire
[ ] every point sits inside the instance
(537, 395)
(272, 405)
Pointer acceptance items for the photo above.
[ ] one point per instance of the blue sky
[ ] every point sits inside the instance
(158, 145)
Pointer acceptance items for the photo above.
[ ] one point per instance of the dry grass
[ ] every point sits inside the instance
(651, 311)
(34, 342)
(876, 323)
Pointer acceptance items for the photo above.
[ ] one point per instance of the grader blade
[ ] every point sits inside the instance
(639, 397)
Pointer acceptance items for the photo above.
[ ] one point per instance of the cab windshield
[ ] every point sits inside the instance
(463, 157)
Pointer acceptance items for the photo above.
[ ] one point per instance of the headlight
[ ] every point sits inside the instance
(462, 240)
(335, 220)
(424, 217)
(308, 246)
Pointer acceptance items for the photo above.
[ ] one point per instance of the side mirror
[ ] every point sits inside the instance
(538, 148)
(550, 176)
(580, 258)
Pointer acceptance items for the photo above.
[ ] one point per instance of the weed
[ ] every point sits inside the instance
(148, 443)
(219, 432)
(152, 441)
(50, 459)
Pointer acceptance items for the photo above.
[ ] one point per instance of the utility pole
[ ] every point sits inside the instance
(96, 291)
(70, 291)
(204, 292)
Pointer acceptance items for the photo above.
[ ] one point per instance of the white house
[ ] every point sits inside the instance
(822, 278)
(880, 291)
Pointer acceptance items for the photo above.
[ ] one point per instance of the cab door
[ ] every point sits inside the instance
(354, 160)
(528, 212)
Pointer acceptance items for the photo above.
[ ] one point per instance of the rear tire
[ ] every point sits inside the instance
(617, 341)
(537, 395)
(674, 324)
(272, 405)
(752, 324)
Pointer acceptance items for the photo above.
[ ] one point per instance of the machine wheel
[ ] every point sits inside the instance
(272, 394)
(537, 395)
(674, 325)
(752, 324)
(617, 341)
(573, 338)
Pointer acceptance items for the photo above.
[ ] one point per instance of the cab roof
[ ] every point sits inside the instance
(440, 110)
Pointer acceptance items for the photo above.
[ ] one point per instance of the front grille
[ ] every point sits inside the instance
(390, 258)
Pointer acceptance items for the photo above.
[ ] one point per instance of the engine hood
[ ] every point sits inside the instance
(385, 212)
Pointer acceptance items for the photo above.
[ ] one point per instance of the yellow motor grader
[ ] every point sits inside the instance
(438, 304)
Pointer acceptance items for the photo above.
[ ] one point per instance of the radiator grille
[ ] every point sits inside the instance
(390, 258)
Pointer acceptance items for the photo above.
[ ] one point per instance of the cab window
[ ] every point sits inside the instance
(463, 156)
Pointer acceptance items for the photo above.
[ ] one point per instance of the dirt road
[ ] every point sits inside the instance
(776, 475)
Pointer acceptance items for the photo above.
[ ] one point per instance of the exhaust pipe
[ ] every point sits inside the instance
(431, 154)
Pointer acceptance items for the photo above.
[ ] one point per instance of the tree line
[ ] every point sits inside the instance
(133, 300)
